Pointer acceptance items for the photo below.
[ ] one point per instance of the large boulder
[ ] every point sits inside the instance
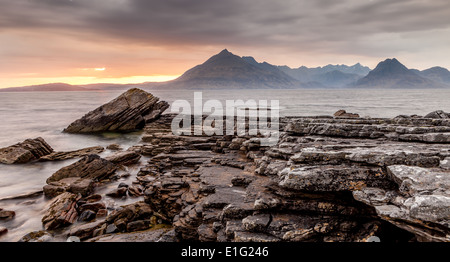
(127, 112)
(90, 166)
(343, 114)
(439, 114)
(26, 151)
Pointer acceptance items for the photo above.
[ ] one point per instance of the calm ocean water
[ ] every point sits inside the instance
(46, 114)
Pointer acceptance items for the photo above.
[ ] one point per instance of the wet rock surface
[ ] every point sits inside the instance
(37, 236)
(61, 212)
(91, 166)
(26, 151)
(83, 186)
(124, 158)
(72, 154)
(3, 230)
(6, 214)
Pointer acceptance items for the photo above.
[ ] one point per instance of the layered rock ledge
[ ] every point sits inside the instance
(26, 151)
(128, 112)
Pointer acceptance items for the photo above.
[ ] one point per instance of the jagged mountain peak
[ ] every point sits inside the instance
(228, 70)
(390, 73)
(391, 66)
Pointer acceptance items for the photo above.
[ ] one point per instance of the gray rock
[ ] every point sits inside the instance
(111, 228)
(381, 156)
(430, 208)
(73, 239)
(439, 114)
(26, 151)
(436, 138)
(170, 236)
(372, 196)
(312, 155)
(445, 164)
(421, 205)
(125, 113)
(417, 180)
(331, 178)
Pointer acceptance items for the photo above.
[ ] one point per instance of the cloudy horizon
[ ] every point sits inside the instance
(120, 41)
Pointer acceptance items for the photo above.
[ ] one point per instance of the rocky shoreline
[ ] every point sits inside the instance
(329, 178)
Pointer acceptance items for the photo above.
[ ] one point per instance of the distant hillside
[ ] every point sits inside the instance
(392, 74)
(328, 76)
(438, 74)
(44, 87)
(226, 70)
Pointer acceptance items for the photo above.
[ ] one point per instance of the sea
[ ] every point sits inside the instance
(26, 115)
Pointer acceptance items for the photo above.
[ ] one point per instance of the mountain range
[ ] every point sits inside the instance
(226, 70)
(392, 74)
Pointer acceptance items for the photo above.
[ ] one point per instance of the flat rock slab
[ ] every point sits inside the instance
(76, 185)
(125, 113)
(26, 151)
(124, 158)
(90, 166)
(414, 180)
(72, 154)
(151, 235)
(184, 154)
(331, 178)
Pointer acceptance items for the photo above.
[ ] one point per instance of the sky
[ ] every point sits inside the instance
(133, 41)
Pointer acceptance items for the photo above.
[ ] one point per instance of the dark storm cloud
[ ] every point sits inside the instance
(336, 26)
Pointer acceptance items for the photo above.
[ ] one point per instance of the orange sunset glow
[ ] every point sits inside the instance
(130, 41)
